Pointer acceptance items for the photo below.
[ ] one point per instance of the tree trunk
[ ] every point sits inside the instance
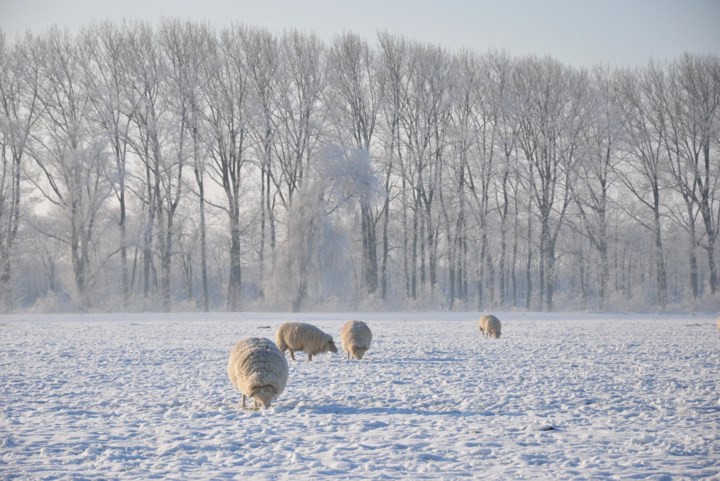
(385, 245)
(165, 265)
(78, 262)
(581, 276)
(414, 262)
(200, 179)
(604, 275)
(660, 258)
(421, 237)
(235, 279)
(6, 289)
(300, 296)
(481, 275)
(707, 215)
(123, 245)
(432, 250)
(550, 280)
(503, 272)
(261, 254)
(148, 232)
(543, 275)
(271, 224)
(369, 248)
(528, 265)
(203, 251)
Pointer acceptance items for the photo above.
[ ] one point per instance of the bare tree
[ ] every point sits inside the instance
(262, 52)
(70, 157)
(465, 97)
(355, 94)
(160, 138)
(554, 99)
(20, 107)
(596, 170)
(146, 75)
(681, 147)
(481, 178)
(186, 47)
(302, 78)
(424, 122)
(227, 96)
(105, 72)
(498, 78)
(178, 44)
(642, 101)
(393, 67)
(693, 100)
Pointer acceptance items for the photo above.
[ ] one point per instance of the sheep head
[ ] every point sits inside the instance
(264, 395)
(359, 352)
(330, 346)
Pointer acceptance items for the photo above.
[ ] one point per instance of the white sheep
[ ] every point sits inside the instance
(258, 369)
(355, 338)
(490, 326)
(299, 336)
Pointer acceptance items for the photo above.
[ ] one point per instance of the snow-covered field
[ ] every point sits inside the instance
(556, 397)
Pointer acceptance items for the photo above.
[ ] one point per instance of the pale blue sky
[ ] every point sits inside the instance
(578, 32)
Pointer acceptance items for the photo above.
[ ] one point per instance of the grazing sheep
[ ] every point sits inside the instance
(490, 326)
(355, 338)
(258, 369)
(299, 336)
(718, 322)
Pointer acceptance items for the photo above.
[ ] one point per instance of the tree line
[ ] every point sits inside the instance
(183, 166)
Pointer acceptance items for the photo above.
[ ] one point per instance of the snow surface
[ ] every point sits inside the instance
(132, 396)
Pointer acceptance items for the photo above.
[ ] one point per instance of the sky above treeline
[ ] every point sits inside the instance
(577, 32)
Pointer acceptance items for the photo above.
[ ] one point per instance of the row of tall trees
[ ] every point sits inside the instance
(181, 166)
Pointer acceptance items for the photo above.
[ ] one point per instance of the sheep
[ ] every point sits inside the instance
(299, 336)
(258, 369)
(490, 326)
(355, 338)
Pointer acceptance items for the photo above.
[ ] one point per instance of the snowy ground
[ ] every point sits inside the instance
(557, 397)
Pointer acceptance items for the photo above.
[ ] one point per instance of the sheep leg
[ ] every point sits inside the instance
(309, 357)
(243, 402)
(292, 354)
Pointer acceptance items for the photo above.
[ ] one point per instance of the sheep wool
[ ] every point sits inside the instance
(490, 326)
(355, 338)
(299, 336)
(258, 369)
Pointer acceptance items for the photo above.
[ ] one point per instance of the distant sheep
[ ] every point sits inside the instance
(299, 336)
(355, 338)
(490, 326)
(258, 369)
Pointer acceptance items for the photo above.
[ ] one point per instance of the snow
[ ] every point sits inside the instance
(558, 396)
